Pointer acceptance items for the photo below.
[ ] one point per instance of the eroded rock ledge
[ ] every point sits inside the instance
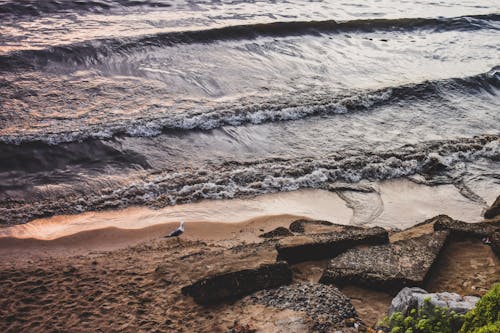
(390, 267)
(327, 245)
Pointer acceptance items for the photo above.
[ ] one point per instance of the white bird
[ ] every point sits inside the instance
(178, 231)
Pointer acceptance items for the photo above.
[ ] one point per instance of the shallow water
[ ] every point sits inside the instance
(112, 104)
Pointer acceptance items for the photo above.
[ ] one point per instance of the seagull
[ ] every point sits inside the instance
(177, 232)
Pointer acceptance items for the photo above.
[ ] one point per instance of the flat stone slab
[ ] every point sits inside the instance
(390, 267)
(327, 306)
(464, 229)
(327, 245)
(231, 273)
(226, 286)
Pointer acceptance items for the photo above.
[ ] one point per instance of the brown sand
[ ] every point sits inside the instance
(72, 284)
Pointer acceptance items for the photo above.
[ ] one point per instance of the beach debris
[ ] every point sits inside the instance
(389, 267)
(494, 210)
(326, 305)
(327, 245)
(413, 298)
(177, 232)
(232, 285)
(278, 232)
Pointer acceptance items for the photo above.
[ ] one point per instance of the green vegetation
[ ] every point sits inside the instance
(485, 317)
(427, 319)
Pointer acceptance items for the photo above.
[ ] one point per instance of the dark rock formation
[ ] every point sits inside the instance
(216, 288)
(325, 305)
(390, 267)
(278, 232)
(464, 229)
(413, 298)
(299, 225)
(494, 210)
(328, 245)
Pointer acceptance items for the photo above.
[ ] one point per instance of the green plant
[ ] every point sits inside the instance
(485, 317)
(427, 319)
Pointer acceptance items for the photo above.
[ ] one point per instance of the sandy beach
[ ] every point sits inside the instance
(107, 277)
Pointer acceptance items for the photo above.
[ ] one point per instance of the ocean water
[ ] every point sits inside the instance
(111, 104)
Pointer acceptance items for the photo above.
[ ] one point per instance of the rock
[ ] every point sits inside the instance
(327, 245)
(389, 267)
(278, 232)
(494, 210)
(243, 270)
(217, 288)
(433, 164)
(299, 225)
(464, 229)
(413, 298)
(327, 306)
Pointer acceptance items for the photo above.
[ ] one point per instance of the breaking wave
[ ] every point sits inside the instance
(258, 111)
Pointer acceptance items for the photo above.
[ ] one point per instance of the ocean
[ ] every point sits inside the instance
(112, 104)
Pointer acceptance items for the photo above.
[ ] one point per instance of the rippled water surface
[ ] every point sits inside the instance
(113, 103)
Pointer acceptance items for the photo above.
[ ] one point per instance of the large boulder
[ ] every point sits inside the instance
(413, 298)
(389, 267)
(327, 245)
(226, 286)
(327, 306)
(494, 210)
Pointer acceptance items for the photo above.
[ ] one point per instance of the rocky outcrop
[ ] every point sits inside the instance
(216, 288)
(464, 229)
(390, 267)
(278, 232)
(494, 210)
(327, 306)
(413, 298)
(299, 225)
(328, 245)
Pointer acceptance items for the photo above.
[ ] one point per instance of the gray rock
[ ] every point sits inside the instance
(390, 267)
(327, 245)
(413, 298)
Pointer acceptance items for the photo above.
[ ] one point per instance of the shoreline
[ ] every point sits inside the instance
(393, 205)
